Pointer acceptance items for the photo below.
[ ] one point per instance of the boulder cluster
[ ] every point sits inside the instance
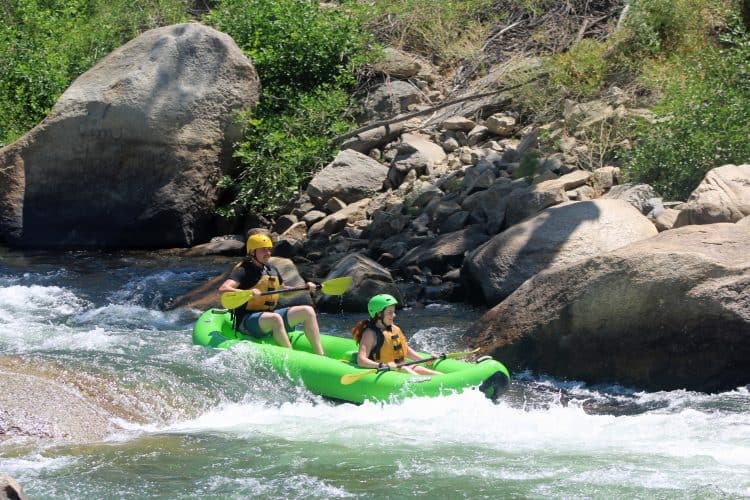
(587, 277)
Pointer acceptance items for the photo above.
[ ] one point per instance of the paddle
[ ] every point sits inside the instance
(350, 378)
(336, 286)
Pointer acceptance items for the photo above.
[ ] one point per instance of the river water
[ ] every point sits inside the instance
(188, 421)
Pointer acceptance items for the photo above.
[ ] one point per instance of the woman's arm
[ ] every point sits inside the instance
(366, 344)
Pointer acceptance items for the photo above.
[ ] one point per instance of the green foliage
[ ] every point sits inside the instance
(305, 57)
(46, 44)
(706, 106)
(283, 150)
(658, 26)
(580, 71)
(294, 44)
(528, 167)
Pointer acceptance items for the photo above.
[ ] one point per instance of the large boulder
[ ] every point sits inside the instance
(559, 235)
(723, 196)
(131, 153)
(10, 489)
(388, 99)
(415, 152)
(397, 64)
(665, 313)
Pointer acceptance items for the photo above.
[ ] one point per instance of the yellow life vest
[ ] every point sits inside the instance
(393, 347)
(269, 281)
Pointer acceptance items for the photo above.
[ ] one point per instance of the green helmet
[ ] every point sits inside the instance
(380, 302)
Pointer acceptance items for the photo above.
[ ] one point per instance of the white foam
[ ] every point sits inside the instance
(20, 303)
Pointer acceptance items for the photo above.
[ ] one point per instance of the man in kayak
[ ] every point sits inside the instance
(381, 341)
(259, 316)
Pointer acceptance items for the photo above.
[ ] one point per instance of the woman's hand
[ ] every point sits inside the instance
(311, 286)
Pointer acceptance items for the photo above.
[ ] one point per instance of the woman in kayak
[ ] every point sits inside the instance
(381, 342)
(259, 316)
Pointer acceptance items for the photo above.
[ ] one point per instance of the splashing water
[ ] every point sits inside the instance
(186, 421)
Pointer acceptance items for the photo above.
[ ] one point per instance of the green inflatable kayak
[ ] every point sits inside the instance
(323, 374)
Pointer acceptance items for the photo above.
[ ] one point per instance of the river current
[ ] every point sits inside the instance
(186, 421)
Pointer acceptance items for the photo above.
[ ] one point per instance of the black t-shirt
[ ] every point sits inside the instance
(247, 275)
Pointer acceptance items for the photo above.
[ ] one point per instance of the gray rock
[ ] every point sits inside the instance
(723, 196)
(458, 123)
(368, 278)
(445, 252)
(10, 489)
(665, 313)
(417, 153)
(350, 177)
(665, 219)
(635, 194)
(131, 154)
(559, 236)
(397, 64)
(389, 99)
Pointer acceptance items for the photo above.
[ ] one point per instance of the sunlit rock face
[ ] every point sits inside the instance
(667, 312)
(131, 154)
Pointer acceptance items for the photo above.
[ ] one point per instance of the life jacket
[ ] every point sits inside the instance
(390, 345)
(268, 281)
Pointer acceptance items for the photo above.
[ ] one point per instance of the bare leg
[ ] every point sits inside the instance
(418, 370)
(306, 315)
(275, 323)
(423, 370)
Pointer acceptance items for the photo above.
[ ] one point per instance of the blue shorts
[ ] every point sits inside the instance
(251, 323)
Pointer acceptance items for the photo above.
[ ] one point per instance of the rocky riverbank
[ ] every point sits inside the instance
(438, 197)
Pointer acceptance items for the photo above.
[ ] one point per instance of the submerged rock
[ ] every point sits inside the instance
(66, 414)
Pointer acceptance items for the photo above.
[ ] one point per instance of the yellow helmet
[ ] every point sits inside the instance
(257, 241)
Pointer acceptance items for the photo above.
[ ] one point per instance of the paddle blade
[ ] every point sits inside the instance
(233, 300)
(336, 286)
(350, 378)
(453, 355)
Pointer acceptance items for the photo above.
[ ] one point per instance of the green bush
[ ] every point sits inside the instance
(706, 109)
(305, 57)
(45, 45)
(294, 44)
(281, 151)
(662, 26)
(581, 71)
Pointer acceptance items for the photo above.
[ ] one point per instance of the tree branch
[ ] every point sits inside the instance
(432, 109)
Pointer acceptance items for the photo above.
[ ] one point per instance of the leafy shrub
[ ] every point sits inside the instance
(706, 106)
(305, 57)
(281, 151)
(294, 44)
(658, 26)
(581, 71)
